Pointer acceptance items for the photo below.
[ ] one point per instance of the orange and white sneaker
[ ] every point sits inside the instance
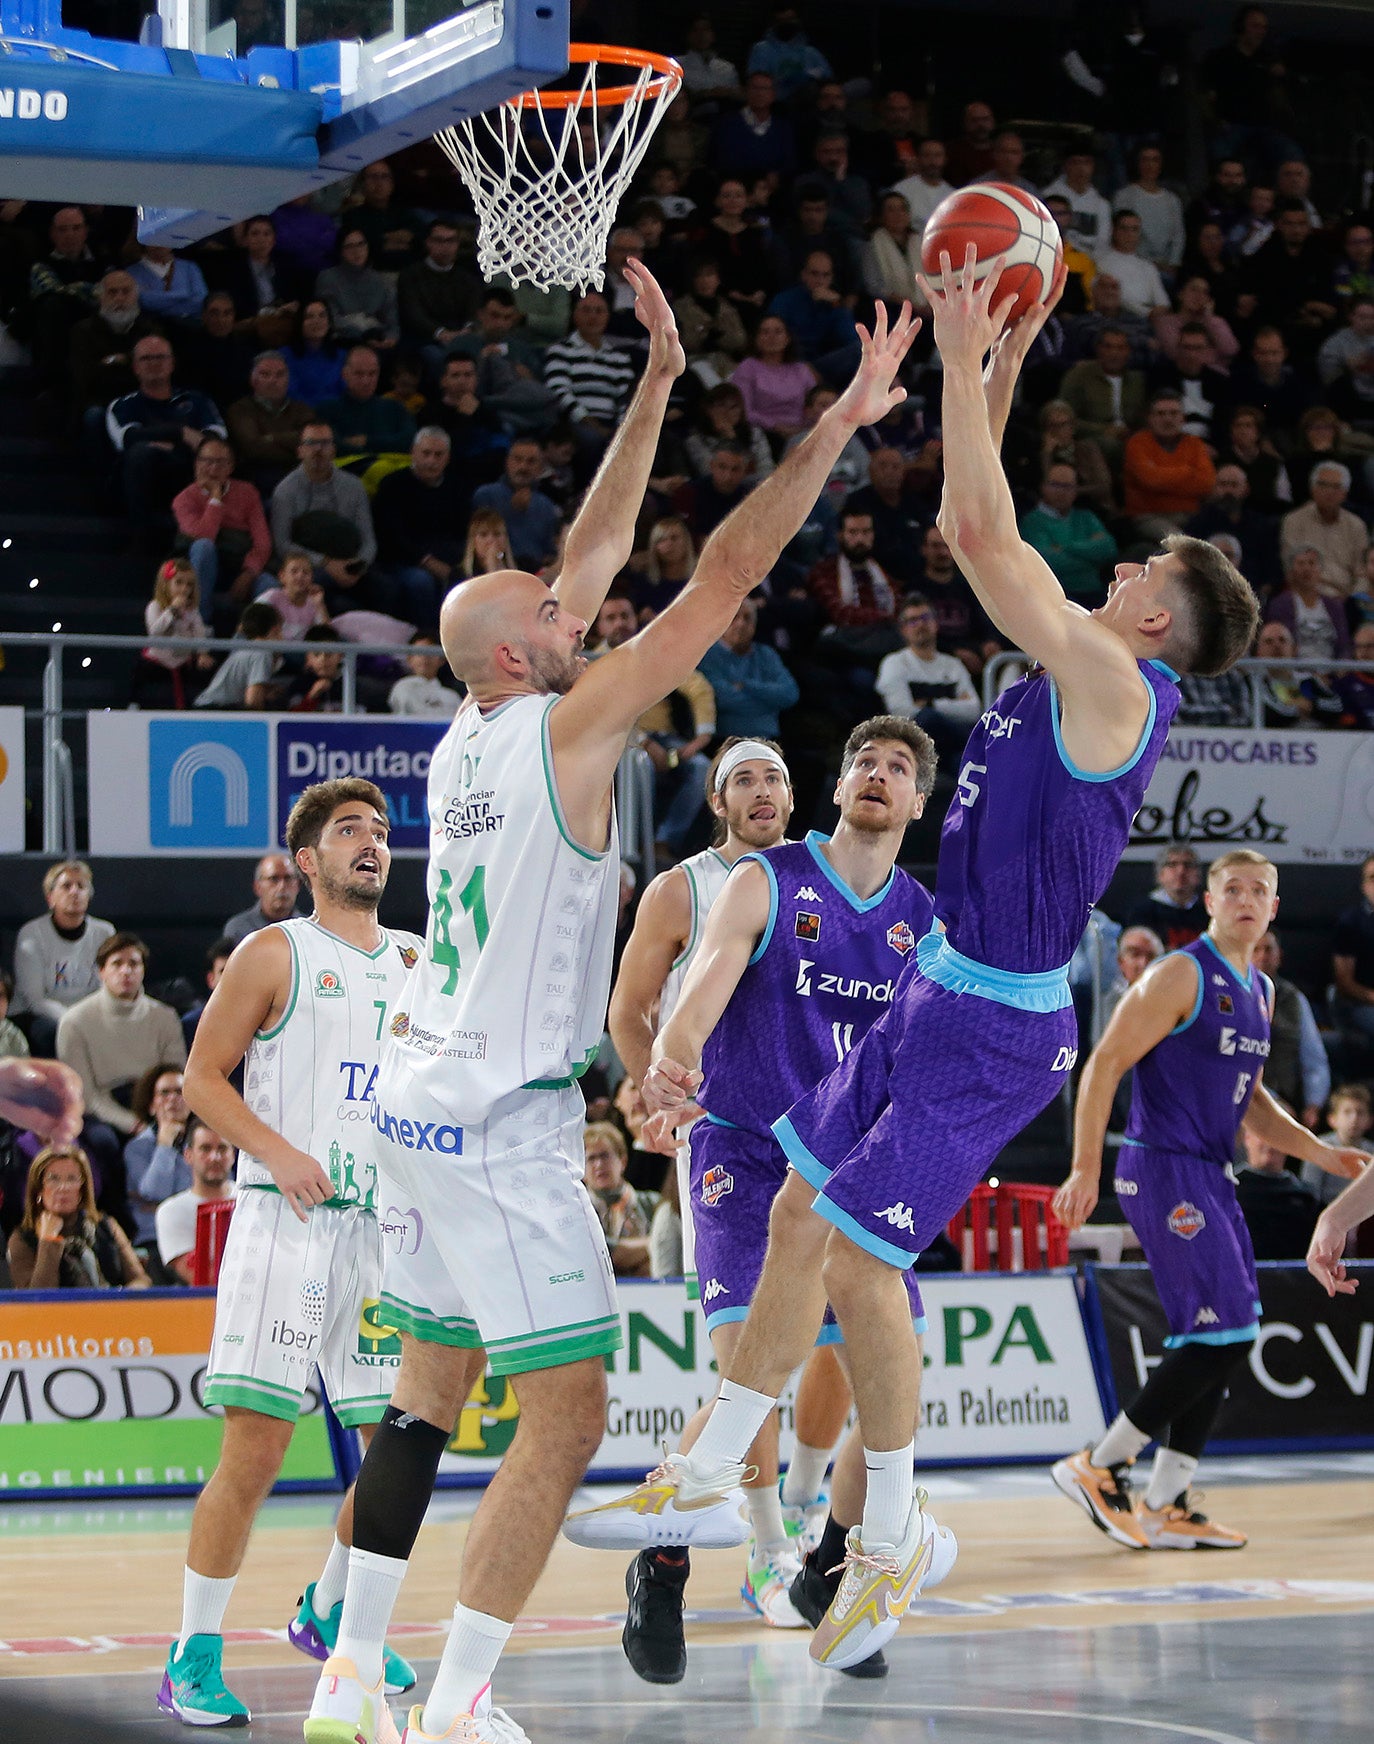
(1104, 1495)
(487, 1726)
(1181, 1525)
(876, 1587)
(346, 1711)
(672, 1506)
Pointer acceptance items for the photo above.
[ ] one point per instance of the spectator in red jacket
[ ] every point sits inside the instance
(850, 588)
(221, 517)
(1167, 474)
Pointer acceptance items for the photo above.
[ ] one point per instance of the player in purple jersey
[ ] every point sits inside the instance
(1195, 1028)
(802, 954)
(888, 1147)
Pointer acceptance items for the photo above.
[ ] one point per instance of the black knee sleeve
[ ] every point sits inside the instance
(396, 1483)
(1185, 1379)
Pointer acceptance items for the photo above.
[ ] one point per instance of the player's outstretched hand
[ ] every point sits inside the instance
(969, 317)
(42, 1097)
(1012, 345)
(1076, 1200)
(660, 1131)
(874, 391)
(669, 1087)
(666, 355)
(303, 1183)
(1324, 1257)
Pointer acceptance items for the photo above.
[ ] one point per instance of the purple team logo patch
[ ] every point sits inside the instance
(901, 938)
(715, 1184)
(808, 926)
(1186, 1220)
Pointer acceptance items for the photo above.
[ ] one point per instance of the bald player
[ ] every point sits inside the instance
(478, 1115)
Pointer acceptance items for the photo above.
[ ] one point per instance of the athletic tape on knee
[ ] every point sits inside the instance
(396, 1483)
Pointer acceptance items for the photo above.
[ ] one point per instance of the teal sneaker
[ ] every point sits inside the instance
(193, 1686)
(311, 1633)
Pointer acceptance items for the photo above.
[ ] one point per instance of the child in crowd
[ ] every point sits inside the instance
(1350, 1113)
(407, 385)
(297, 596)
(318, 687)
(421, 693)
(162, 676)
(245, 680)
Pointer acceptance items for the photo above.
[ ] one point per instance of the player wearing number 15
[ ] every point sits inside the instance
(308, 1002)
(499, 1018)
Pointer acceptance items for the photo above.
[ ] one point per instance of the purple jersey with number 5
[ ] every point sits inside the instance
(1191, 1091)
(1031, 842)
(823, 973)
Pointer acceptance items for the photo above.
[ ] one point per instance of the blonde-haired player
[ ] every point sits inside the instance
(1195, 1030)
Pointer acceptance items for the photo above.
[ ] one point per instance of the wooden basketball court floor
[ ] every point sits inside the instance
(1044, 1633)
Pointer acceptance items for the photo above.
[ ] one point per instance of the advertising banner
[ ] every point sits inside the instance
(1306, 1382)
(198, 782)
(1008, 1376)
(101, 1392)
(11, 780)
(1297, 796)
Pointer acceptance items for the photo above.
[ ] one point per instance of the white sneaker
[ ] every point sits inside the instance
(878, 1584)
(494, 1726)
(806, 1524)
(672, 1506)
(346, 1711)
(767, 1583)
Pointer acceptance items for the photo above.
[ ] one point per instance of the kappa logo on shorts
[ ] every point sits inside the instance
(807, 926)
(328, 985)
(1186, 1220)
(418, 1135)
(899, 1216)
(715, 1184)
(713, 1288)
(1207, 1317)
(901, 938)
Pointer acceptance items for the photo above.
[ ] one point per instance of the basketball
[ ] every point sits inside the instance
(998, 220)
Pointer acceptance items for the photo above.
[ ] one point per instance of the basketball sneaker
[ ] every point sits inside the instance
(811, 1593)
(767, 1584)
(490, 1726)
(1104, 1495)
(671, 1506)
(878, 1584)
(346, 1711)
(1181, 1525)
(805, 1524)
(315, 1634)
(653, 1638)
(193, 1686)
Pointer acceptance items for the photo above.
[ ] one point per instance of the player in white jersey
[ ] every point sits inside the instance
(478, 1115)
(308, 1002)
(749, 790)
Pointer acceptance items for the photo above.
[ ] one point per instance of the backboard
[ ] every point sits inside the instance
(230, 107)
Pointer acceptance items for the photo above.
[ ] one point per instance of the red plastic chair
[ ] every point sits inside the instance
(212, 1231)
(1044, 1239)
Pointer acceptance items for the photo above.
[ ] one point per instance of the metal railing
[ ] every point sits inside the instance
(634, 778)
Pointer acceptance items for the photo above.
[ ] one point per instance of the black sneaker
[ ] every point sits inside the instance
(652, 1636)
(811, 1593)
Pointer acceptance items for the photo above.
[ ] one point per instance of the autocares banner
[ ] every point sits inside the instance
(1008, 1376)
(1306, 1381)
(1300, 797)
(198, 782)
(100, 1392)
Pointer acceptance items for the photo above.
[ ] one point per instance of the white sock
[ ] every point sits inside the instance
(329, 1588)
(203, 1604)
(802, 1485)
(765, 1520)
(470, 1654)
(1172, 1474)
(1122, 1443)
(736, 1418)
(373, 1584)
(887, 1501)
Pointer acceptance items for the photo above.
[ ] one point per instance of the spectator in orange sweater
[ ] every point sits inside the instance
(221, 517)
(1167, 475)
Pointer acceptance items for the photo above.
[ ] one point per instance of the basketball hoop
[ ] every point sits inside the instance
(546, 180)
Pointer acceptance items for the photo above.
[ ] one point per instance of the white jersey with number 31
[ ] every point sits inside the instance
(510, 991)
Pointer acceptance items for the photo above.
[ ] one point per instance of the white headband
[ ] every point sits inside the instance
(749, 751)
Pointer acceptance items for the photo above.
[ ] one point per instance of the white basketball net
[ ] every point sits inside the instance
(546, 189)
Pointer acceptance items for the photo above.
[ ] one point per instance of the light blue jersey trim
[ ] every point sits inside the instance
(941, 963)
(861, 1237)
(1192, 1016)
(1106, 774)
(719, 1120)
(810, 1168)
(766, 937)
(1211, 945)
(1168, 671)
(726, 1316)
(860, 904)
(1232, 1335)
